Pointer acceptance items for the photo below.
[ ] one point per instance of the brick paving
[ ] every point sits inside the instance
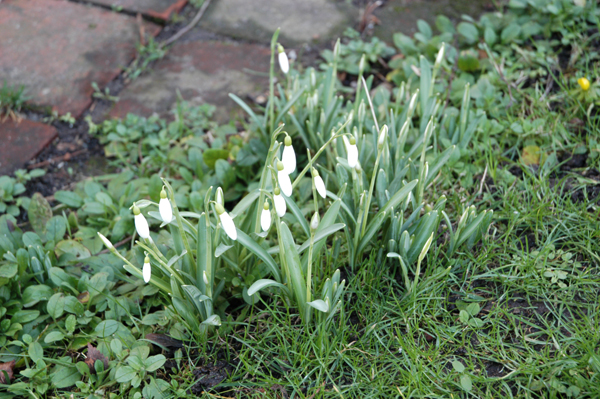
(22, 141)
(57, 48)
(162, 9)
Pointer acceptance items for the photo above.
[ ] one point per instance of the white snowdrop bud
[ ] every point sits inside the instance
(284, 63)
(219, 196)
(319, 184)
(147, 269)
(314, 221)
(288, 156)
(284, 180)
(141, 224)
(226, 222)
(279, 201)
(352, 150)
(164, 207)
(265, 217)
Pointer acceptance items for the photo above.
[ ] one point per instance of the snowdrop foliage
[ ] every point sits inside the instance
(141, 224)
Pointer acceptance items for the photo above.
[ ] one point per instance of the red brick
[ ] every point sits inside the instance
(57, 48)
(21, 142)
(162, 9)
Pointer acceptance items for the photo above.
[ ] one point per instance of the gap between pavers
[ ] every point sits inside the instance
(57, 48)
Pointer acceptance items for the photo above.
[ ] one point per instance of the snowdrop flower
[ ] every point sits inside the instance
(284, 63)
(314, 221)
(106, 242)
(219, 196)
(205, 277)
(141, 224)
(147, 269)
(584, 84)
(288, 157)
(440, 56)
(284, 179)
(319, 185)
(265, 217)
(226, 221)
(382, 136)
(279, 201)
(164, 207)
(352, 151)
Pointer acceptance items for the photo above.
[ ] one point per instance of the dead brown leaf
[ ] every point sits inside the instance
(93, 355)
(8, 367)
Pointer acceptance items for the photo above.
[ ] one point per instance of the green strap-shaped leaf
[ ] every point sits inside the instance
(265, 283)
(260, 252)
(298, 214)
(292, 258)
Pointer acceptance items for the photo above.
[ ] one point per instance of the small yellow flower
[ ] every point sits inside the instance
(584, 83)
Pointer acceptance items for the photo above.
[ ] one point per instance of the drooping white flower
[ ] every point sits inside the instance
(141, 224)
(265, 217)
(164, 207)
(284, 63)
(279, 201)
(352, 151)
(319, 185)
(288, 157)
(226, 222)
(147, 269)
(284, 180)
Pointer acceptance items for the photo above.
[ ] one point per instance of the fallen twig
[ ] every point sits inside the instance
(61, 158)
(184, 30)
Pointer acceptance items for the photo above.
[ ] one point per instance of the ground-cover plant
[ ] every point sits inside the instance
(11, 200)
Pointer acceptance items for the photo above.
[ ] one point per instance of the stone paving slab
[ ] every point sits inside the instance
(21, 142)
(402, 15)
(202, 72)
(301, 21)
(57, 48)
(162, 9)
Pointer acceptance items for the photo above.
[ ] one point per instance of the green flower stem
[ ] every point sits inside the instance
(263, 177)
(310, 163)
(173, 272)
(363, 222)
(159, 284)
(272, 81)
(186, 244)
